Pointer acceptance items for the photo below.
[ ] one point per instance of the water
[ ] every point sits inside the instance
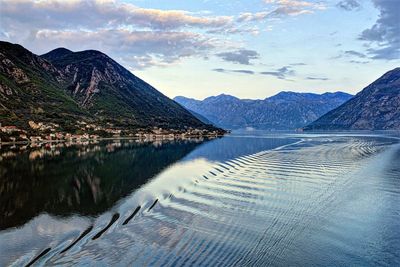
(249, 199)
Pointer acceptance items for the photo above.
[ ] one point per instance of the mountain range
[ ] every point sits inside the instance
(286, 110)
(64, 87)
(376, 107)
(67, 88)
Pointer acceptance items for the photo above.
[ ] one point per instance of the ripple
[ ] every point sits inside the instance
(295, 205)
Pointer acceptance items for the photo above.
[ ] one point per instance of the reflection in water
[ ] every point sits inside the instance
(80, 179)
(246, 201)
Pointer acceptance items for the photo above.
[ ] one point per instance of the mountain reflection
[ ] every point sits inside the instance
(84, 179)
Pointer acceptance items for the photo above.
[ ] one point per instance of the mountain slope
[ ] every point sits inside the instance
(29, 89)
(376, 107)
(64, 87)
(99, 85)
(286, 110)
(200, 117)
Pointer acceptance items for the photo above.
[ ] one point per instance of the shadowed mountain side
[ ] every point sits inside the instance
(376, 107)
(200, 117)
(84, 180)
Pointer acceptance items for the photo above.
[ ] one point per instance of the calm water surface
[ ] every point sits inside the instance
(249, 199)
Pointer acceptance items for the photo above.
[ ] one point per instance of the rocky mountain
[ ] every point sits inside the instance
(286, 110)
(376, 107)
(30, 89)
(64, 86)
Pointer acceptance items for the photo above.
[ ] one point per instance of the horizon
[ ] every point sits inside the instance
(250, 50)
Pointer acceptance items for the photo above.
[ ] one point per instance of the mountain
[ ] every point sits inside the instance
(286, 110)
(30, 90)
(63, 87)
(200, 117)
(376, 107)
(57, 53)
(99, 84)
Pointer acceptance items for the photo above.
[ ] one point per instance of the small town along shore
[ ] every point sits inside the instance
(50, 132)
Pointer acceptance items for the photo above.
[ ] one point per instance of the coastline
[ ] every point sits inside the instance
(146, 138)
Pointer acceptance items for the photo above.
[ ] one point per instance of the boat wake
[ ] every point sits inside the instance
(299, 204)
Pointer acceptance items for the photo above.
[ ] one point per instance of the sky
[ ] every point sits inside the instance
(198, 48)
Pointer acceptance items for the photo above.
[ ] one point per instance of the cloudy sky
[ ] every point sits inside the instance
(198, 48)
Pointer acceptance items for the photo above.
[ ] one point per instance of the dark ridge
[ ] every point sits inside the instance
(205, 177)
(152, 206)
(132, 215)
(78, 239)
(212, 173)
(44, 252)
(113, 220)
(57, 54)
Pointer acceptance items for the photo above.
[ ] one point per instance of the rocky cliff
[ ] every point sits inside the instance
(376, 107)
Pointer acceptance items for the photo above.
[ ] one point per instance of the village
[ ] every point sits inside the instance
(40, 132)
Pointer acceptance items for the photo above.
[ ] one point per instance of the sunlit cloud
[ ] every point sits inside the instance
(282, 8)
(94, 14)
(143, 37)
(135, 49)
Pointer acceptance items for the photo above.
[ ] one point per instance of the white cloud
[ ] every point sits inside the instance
(137, 49)
(282, 8)
(94, 14)
(141, 36)
(148, 37)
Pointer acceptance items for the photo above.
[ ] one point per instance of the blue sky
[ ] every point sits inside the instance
(249, 48)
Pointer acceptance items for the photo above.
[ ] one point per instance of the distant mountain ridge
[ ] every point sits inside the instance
(376, 107)
(64, 86)
(286, 110)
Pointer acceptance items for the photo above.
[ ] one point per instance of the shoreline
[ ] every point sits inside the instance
(145, 139)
